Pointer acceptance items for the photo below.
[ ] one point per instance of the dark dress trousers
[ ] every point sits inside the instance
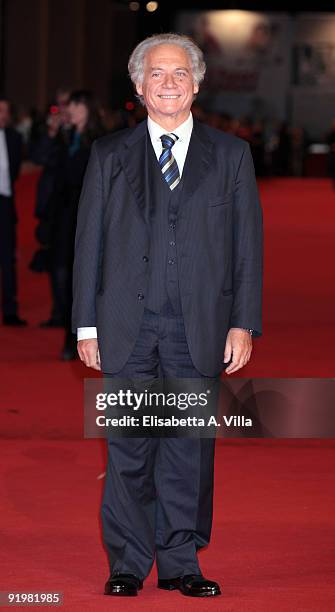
(163, 275)
(8, 227)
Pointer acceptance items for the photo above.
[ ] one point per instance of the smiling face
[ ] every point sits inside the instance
(168, 87)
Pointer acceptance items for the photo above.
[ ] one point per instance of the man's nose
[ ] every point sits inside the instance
(169, 81)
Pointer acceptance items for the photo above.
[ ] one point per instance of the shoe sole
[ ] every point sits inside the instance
(121, 594)
(174, 588)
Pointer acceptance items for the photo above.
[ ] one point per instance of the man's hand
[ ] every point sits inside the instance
(238, 347)
(89, 353)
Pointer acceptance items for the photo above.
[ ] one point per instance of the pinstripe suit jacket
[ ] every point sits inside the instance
(219, 231)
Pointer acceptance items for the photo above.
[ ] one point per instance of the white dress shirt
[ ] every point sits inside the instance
(179, 150)
(5, 186)
(180, 147)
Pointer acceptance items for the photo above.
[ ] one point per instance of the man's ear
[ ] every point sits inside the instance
(139, 89)
(195, 88)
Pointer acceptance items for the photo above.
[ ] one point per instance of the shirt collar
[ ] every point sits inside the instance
(183, 131)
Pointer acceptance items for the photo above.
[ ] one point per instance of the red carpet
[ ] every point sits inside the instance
(299, 280)
(273, 536)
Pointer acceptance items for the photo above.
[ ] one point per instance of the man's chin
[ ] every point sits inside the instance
(170, 109)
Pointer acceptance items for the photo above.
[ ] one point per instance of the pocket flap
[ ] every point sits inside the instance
(221, 201)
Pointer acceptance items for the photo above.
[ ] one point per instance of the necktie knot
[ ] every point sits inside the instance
(168, 140)
(167, 162)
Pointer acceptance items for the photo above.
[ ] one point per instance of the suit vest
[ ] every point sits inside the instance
(163, 284)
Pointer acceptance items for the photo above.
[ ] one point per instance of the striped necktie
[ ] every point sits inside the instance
(167, 162)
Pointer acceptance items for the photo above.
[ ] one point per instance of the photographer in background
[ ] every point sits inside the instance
(45, 152)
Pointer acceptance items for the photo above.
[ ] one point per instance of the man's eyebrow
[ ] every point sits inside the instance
(178, 68)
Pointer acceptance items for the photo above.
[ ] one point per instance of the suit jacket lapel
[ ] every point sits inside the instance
(198, 161)
(134, 160)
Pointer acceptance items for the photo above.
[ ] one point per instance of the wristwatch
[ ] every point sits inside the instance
(251, 331)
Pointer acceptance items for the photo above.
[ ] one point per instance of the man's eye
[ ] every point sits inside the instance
(181, 74)
(156, 74)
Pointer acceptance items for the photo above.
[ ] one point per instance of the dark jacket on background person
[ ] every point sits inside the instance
(14, 147)
(8, 219)
(45, 152)
(65, 198)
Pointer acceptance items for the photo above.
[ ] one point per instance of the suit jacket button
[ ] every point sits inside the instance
(140, 296)
(145, 258)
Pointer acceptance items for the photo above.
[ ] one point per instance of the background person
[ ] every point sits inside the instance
(10, 161)
(86, 127)
(46, 151)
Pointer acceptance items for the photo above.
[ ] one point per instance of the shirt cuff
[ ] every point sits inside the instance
(86, 333)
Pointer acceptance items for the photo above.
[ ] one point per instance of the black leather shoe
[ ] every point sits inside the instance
(193, 585)
(14, 320)
(126, 585)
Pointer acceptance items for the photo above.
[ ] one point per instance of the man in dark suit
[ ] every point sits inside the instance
(167, 282)
(10, 161)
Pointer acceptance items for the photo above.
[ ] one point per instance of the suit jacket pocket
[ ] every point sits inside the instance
(223, 201)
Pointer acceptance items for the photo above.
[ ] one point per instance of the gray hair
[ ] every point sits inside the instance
(137, 58)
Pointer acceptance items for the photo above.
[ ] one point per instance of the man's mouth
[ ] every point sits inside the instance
(165, 97)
